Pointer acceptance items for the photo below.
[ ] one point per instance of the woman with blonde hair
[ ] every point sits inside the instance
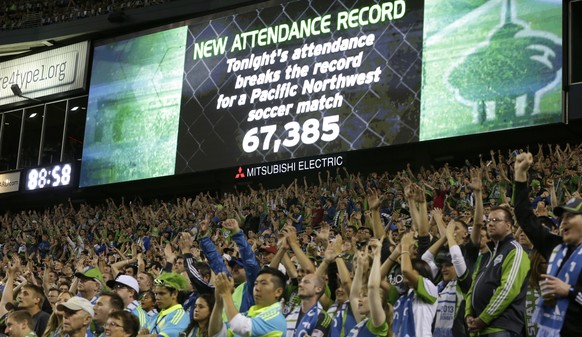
(55, 322)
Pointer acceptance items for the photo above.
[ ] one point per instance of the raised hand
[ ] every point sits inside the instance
(204, 226)
(450, 231)
(80, 265)
(417, 193)
(376, 246)
(362, 260)
(323, 234)
(476, 183)
(330, 253)
(291, 235)
(185, 242)
(13, 266)
(407, 241)
(437, 214)
(523, 162)
(169, 253)
(374, 199)
(408, 190)
(224, 284)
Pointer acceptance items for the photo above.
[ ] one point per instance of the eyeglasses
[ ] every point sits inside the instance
(112, 325)
(119, 286)
(494, 220)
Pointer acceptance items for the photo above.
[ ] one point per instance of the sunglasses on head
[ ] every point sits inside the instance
(163, 284)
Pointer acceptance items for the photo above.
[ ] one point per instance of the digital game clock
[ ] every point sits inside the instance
(48, 177)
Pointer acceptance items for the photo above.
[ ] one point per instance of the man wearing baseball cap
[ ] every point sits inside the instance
(266, 254)
(128, 289)
(172, 319)
(89, 284)
(77, 315)
(563, 280)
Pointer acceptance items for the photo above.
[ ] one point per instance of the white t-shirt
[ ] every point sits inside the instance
(424, 312)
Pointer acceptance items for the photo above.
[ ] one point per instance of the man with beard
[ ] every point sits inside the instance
(309, 318)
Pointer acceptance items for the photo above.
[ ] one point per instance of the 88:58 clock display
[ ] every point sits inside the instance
(52, 176)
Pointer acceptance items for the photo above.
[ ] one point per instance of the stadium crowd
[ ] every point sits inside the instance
(17, 14)
(491, 249)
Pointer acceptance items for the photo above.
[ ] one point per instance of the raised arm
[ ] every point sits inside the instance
(209, 249)
(362, 265)
(215, 324)
(245, 250)
(392, 260)
(8, 294)
(196, 279)
(552, 190)
(456, 255)
(120, 264)
(542, 239)
(418, 209)
(289, 267)
(377, 313)
(141, 266)
(303, 260)
(282, 248)
(477, 186)
(406, 264)
(429, 255)
(374, 201)
(331, 254)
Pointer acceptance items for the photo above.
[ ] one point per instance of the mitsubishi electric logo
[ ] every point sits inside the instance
(289, 167)
(240, 173)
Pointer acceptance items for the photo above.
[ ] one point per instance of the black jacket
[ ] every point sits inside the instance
(500, 305)
(544, 242)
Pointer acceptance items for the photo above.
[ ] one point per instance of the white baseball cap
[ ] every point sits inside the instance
(77, 303)
(125, 280)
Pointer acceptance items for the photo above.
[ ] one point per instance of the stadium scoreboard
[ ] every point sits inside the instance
(316, 79)
(52, 177)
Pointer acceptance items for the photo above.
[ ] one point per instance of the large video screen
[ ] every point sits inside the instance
(490, 65)
(307, 78)
(300, 79)
(134, 109)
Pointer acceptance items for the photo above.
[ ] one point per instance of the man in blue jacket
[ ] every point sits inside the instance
(243, 294)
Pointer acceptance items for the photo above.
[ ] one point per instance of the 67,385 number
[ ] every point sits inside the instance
(308, 133)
